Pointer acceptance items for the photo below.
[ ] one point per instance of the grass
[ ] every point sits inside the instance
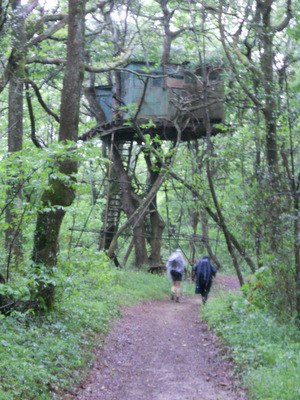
(268, 352)
(43, 355)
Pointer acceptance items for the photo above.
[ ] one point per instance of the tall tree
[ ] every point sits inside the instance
(13, 240)
(61, 191)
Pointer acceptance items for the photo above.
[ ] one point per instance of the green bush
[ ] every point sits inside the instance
(273, 292)
(267, 351)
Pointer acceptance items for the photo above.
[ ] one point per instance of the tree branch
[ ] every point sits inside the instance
(41, 101)
(49, 32)
(45, 19)
(287, 19)
(28, 9)
(89, 68)
(236, 74)
(31, 117)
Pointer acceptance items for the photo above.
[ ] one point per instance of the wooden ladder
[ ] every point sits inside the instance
(113, 208)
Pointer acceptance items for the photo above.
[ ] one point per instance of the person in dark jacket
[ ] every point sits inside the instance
(204, 272)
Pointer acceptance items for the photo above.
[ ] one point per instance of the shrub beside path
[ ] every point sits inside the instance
(161, 350)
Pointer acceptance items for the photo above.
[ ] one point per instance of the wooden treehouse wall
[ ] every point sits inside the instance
(161, 96)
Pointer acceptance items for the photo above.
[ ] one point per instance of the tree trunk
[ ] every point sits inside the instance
(156, 222)
(205, 234)
(224, 226)
(13, 235)
(129, 205)
(157, 228)
(270, 113)
(61, 193)
(266, 36)
(297, 255)
(194, 220)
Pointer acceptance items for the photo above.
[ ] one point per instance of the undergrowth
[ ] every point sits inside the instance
(43, 355)
(267, 351)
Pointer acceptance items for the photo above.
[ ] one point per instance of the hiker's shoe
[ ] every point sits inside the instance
(172, 296)
(177, 299)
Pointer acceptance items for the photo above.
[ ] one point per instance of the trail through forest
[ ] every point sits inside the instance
(161, 350)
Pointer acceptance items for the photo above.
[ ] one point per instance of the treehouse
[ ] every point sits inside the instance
(163, 101)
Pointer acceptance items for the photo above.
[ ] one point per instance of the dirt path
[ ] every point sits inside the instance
(161, 350)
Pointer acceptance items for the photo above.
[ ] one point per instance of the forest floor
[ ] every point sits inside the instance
(162, 350)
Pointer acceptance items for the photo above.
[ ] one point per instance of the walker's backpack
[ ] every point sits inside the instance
(201, 270)
(204, 272)
(175, 266)
(176, 270)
